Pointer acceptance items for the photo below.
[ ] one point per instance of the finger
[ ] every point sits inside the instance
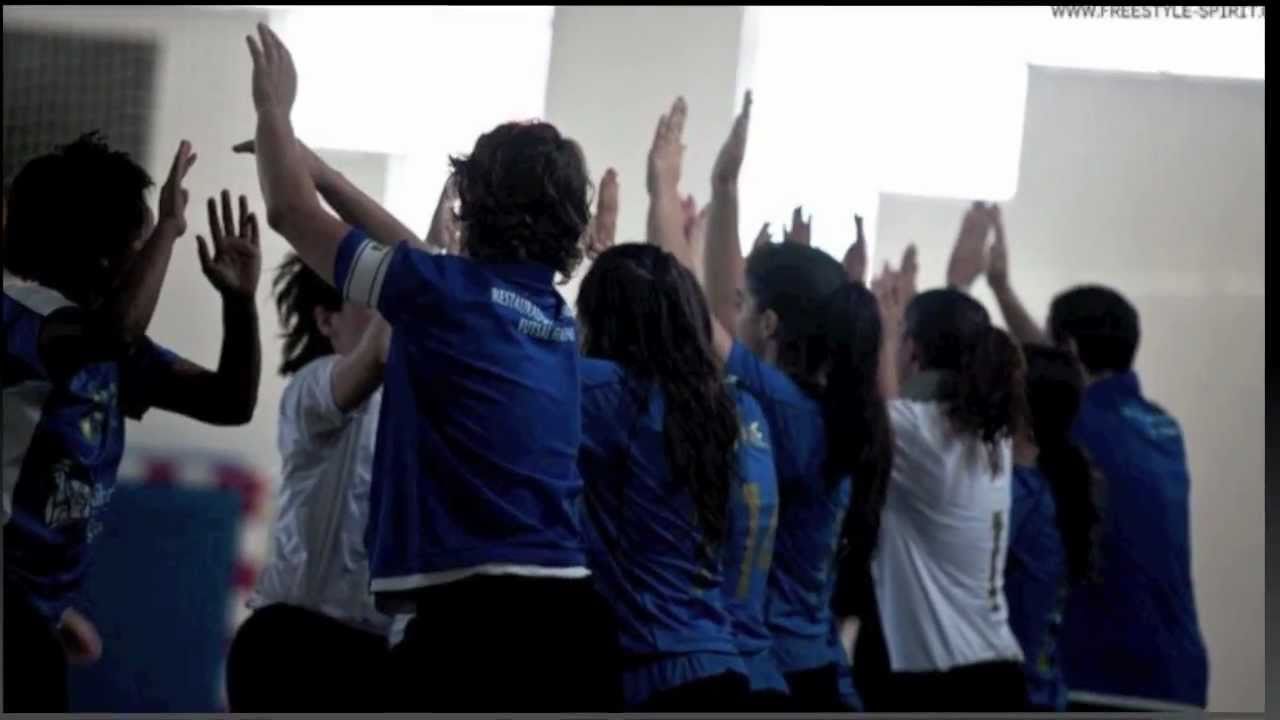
(268, 48)
(246, 146)
(228, 217)
(179, 160)
(191, 161)
(763, 237)
(215, 225)
(253, 229)
(202, 251)
(797, 218)
(244, 216)
(255, 52)
(909, 264)
(679, 112)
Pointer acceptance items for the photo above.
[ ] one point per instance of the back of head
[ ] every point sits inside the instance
(299, 292)
(984, 393)
(1055, 387)
(524, 196)
(829, 338)
(1102, 325)
(76, 213)
(640, 308)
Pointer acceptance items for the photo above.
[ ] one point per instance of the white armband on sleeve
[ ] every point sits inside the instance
(368, 270)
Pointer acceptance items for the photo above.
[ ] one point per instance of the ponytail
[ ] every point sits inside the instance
(1055, 386)
(859, 442)
(641, 309)
(988, 398)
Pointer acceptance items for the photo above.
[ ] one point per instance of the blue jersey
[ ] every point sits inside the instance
(63, 440)
(644, 541)
(1035, 577)
(475, 464)
(1134, 637)
(748, 547)
(798, 608)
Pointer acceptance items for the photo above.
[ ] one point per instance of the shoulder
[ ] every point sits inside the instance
(921, 421)
(1030, 489)
(597, 374)
(313, 376)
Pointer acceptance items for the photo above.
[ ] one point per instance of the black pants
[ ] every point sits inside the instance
(816, 690)
(35, 665)
(507, 643)
(289, 659)
(718, 693)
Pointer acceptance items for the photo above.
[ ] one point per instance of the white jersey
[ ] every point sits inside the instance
(939, 564)
(317, 558)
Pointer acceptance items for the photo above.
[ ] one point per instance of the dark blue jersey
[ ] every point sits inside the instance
(1135, 636)
(811, 512)
(63, 439)
(1035, 577)
(475, 466)
(647, 550)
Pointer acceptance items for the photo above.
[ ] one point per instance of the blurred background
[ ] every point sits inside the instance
(1125, 151)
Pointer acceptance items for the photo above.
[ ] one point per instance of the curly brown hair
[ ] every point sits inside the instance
(525, 196)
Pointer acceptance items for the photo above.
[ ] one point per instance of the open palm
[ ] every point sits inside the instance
(236, 262)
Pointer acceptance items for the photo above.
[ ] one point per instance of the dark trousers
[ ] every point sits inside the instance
(507, 643)
(816, 691)
(718, 693)
(286, 658)
(35, 665)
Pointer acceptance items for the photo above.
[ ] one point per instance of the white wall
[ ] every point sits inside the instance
(203, 95)
(1154, 185)
(614, 70)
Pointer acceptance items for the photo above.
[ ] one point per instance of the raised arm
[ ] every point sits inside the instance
(293, 210)
(1021, 326)
(665, 224)
(602, 229)
(127, 313)
(724, 268)
(351, 203)
(228, 395)
(442, 236)
(855, 258)
(358, 374)
(969, 254)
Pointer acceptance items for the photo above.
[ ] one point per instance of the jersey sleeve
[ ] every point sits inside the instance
(307, 407)
(137, 373)
(390, 279)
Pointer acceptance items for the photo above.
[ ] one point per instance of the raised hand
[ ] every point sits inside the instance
(800, 230)
(906, 276)
(444, 233)
(696, 233)
(763, 238)
(236, 262)
(275, 79)
(998, 256)
(172, 209)
(602, 230)
(855, 258)
(969, 256)
(666, 155)
(724, 173)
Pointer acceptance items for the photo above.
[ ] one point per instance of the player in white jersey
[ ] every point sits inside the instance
(941, 639)
(315, 640)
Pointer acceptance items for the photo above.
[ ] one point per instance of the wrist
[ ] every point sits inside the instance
(999, 285)
(724, 188)
(168, 229)
(238, 302)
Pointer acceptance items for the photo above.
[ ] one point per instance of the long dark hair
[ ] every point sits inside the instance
(299, 291)
(829, 339)
(641, 309)
(1055, 386)
(985, 392)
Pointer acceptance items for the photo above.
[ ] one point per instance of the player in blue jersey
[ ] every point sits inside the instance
(807, 348)
(659, 462)
(1131, 641)
(1053, 522)
(473, 519)
(85, 258)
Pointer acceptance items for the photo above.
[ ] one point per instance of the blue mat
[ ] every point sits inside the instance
(158, 592)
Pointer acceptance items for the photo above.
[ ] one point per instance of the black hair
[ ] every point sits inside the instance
(829, 338)
(984, 392)
(76, 212)
(1102, 323)
(524, 196)
(299, 291)
(640, 308)
(1055, 387)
